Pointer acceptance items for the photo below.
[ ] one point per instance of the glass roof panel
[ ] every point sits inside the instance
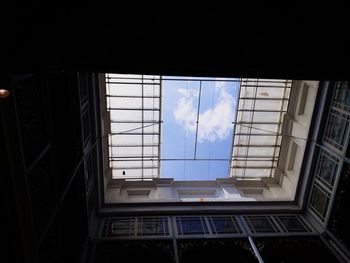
(133, 102)
(257, 136)
(202, 117)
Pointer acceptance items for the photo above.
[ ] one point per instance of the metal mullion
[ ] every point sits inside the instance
(256, 145)
(275, 224)
(251, 167)
(136, 156)
(255, 110)
(265, 86)
(131, 121)
(235, 128)
(255, 250)
(257, 122)
(251, 125)
(134, 109)
(131, 83)
(160, 123)
(133, 96)
(132, 145)
(261, 98)
(199, 105)
(134, 133)
(133, 167)
(279, 125)
(258, 134)
(142, 129)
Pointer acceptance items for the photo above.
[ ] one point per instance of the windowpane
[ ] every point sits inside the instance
(319, 201)
(155, 226)
(342, 95)
(191, 226)
(327, 167)
(336, 129)
(261, 224)
(292, 224)
(224, 225)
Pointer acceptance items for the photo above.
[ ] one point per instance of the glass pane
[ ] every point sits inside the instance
(260, 224)
(191, 226)
(336, 127)
(327, 167)
(224, 225)
(319, 201)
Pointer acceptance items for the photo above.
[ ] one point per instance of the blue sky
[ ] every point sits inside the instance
(217, 112)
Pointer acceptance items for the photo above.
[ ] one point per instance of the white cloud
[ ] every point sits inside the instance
(219, 84)
(215, 123)
(185, 112)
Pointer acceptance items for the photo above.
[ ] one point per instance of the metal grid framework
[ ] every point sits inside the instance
(257, 136)
(205, 226)
(331, 153)
(136, 227)
(134, 107)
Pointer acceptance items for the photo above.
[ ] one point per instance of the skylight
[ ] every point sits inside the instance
(134, 106)
(258, 130)
(190, 128)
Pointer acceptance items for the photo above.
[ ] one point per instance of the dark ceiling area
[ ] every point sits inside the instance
(297, 42)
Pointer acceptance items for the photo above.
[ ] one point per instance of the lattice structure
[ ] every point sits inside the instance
(134, 107)
(261, 106)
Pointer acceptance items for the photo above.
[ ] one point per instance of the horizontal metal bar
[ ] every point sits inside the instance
(255, 110)
(201, 159)
(133, 145)
(183, 78)
(259, 134)
(256, 145)
(142, 157)
(134, 168)
(135, 133)
(136, 178)
(261, 98)
(253, 167)
(254, 156)
(256, 122)
(133, 83)
(258, 85)
(133, 96)
(131, 121)
(140, 109)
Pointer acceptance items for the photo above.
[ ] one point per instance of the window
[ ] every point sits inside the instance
(319, 201)
(261, 224)
(326, 168)
(120, 227)
(342, 95)
(336, 129)
(292, 224)
(191, 226)
(224, 225)
(152, 226)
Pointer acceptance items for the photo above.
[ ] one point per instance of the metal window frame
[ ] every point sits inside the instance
(254, 85)
(140, 81)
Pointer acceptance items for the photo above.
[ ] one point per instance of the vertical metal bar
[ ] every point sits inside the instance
(199, 104)
(234, 128)
(176, 251)
(251, 125)
(255, 249)
(279, 125)
(160, 122)
(142, 131)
